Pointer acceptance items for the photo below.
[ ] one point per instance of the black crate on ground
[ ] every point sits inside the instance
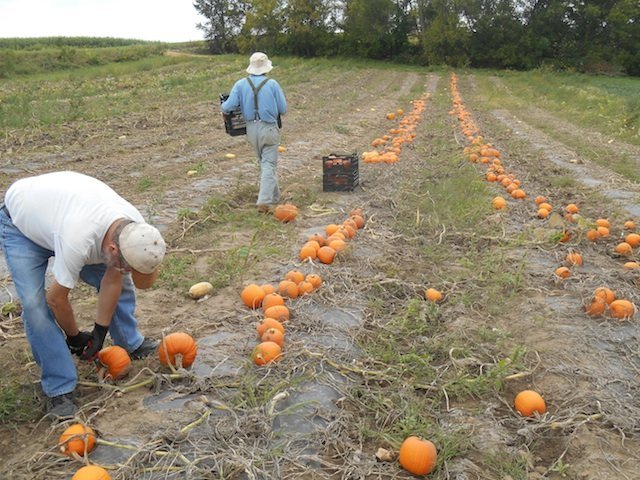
(234, 122)
(340, 172)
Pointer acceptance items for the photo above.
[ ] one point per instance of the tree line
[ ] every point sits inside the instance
(601, 36)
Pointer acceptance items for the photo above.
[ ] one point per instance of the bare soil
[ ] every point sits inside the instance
(587, 368)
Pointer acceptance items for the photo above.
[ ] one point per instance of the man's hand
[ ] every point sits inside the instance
(95, 342)
(77, 343)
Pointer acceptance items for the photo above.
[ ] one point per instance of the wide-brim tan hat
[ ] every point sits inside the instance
(142, 247)
(259, 64)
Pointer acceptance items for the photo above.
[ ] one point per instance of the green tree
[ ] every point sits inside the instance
(264, 27)
(307, 26)
(443, 35)
(224, 22)
(375, 28)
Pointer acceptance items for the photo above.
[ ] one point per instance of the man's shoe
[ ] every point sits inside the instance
(61, 406)
(264, 208)
(146, 348)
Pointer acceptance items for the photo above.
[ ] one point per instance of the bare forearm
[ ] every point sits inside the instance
(110, 289)
(58, 301)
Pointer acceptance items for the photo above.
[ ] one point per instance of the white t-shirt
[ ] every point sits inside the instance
(68, 213)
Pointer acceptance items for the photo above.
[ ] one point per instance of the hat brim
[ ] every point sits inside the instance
(251, 70)
(143, 281)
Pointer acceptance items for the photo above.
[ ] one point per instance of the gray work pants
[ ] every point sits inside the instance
(265, 138)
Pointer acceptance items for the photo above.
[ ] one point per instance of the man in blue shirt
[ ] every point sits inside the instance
(261, 101)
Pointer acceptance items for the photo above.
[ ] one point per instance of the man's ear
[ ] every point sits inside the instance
(144, 280)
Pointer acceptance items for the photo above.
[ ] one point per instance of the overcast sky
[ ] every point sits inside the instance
(162, 20)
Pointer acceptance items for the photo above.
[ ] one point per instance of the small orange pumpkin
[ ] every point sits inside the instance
(279, 312)
(527, 402)
(499, 203)
(417, 456)
(178, 348)
(597, 307)
(433, 295)
(296, 276)
(633, 239)
(77, 438)
(116, 360)
(574, 258)
(285, 212)
(266, 352)
(288, 289)
(622, 309)
(304, 288)
(272, 299)
(629, 225)
(268, 323)
(308, 251)
(91, 472)
(326, 254)
(273, 335)
(562, 272)
(252, 295)
(624, 249)
(605, 293)
(314, 279)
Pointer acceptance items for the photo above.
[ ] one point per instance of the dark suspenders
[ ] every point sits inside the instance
(255, 95)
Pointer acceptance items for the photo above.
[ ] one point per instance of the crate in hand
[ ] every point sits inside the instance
(340, 172)
(234, 123)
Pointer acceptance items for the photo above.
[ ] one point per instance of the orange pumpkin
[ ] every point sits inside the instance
(272, 299)
(116, 360)
(571, 208)
(178, 348)
(603, 222)
(279, 312)
(285, 212)
(633, 239)
(597, 307)
(574, 258)
(273, 335)
(296, 276)
(266, 352)
(622, 309)
(417, 456)
(91, 472)
(252, 295)
(314, 279)
(499, 203)
(629, 225)
(268, 323)
(433, 295)
(317, 237)
(268, 288)
(305, 287)
(605, 293)
(288, 289)
(308, 252)
(623, 248)
(527, 402)
(592, 235)
(326, 254)
(77, 438)
(562, 272)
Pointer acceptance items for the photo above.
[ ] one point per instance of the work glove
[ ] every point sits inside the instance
(77, 343)
(95, 343)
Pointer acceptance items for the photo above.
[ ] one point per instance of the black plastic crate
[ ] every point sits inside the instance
(340, 172)
(234, 122)
(340, 182)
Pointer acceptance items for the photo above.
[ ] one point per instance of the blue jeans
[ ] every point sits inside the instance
(265, 138)
(27, 263)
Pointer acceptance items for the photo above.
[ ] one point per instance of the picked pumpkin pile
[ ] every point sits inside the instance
(388, 146)
(272, 299)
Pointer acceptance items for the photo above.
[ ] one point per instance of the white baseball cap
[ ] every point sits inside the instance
(259, 63)
(142, 247)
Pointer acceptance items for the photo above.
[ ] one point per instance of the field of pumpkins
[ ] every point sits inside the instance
(459, 314)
